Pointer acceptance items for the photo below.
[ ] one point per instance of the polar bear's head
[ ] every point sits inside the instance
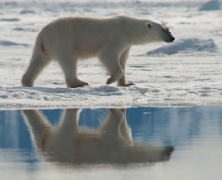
(159, 32)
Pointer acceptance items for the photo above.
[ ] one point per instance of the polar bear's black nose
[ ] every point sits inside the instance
(172, 39)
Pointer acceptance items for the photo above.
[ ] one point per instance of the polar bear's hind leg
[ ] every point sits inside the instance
(37, 63)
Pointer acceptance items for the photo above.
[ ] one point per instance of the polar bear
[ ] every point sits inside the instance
(69, 39)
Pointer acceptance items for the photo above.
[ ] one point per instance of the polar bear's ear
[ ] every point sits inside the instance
(148, 25)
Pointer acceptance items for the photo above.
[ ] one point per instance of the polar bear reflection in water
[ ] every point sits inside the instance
(70, 144)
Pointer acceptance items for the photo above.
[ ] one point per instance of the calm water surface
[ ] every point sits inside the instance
(135, 143)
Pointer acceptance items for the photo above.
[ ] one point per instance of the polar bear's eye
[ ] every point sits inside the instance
(163, 30)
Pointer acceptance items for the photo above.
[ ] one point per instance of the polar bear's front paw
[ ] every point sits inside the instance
(128, 84)
(79, 83)
(82, 83)
(110, 80)
(26, 82)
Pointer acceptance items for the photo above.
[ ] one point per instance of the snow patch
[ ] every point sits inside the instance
(141, 90)
(10, 43)
(187, 46)
(27, 12)
(210, 6)
(9, 19)
(107, 89)
(101, 90)
(25, 29)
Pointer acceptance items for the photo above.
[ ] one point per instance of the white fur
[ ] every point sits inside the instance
(70, 39)
(69, 143)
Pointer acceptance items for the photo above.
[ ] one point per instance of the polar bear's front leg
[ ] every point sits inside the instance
(123, 60)
(112, 66)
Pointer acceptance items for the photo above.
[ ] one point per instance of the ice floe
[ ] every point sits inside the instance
(210, 6)
(187, 46)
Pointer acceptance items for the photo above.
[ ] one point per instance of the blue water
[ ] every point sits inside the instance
(186, 129)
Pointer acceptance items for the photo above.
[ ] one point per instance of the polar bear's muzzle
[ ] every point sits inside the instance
(168, 37)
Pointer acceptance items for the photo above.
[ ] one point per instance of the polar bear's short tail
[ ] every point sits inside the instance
(37, 63)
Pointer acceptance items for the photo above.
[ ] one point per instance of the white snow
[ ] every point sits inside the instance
(186, 72)
(187, 47)
(10, 43)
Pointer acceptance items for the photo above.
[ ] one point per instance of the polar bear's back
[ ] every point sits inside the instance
(85, 35)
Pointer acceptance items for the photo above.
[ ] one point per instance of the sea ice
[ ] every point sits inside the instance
(186, 72)
(210, 6)
(10, 43)
(187, 46)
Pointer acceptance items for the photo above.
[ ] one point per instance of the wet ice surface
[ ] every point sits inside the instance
(144, 143)
(186, 72)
